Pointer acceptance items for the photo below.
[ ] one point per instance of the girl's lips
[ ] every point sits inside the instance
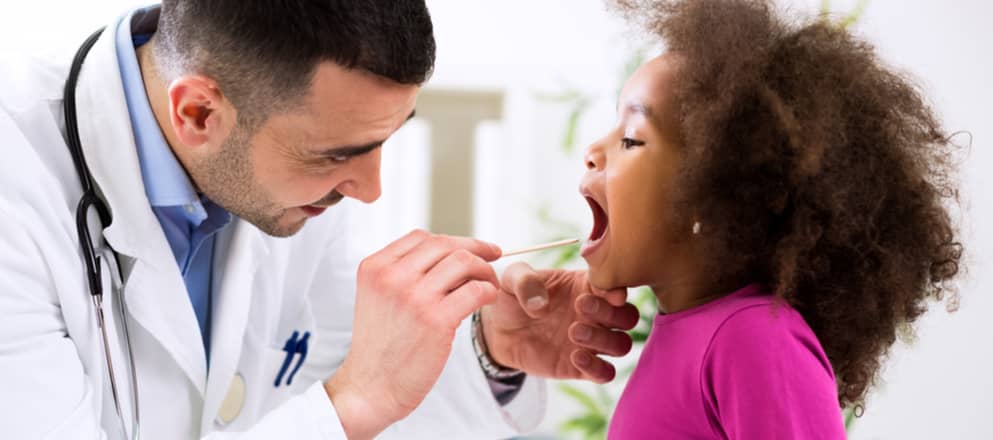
(590, 246)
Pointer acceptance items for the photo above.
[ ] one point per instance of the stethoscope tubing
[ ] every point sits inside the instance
(90, 199)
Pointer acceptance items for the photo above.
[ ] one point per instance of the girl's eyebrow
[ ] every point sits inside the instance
(638, 108)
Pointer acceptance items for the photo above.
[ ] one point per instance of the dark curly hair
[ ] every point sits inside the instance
(814, 168)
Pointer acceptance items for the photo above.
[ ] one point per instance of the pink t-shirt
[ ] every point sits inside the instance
(745, 366)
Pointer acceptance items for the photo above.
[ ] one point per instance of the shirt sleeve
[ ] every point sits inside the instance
(504, 391)
(765, 376)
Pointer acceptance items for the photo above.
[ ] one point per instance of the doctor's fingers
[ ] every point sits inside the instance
(457, 268)
(600, 340)
(597, 310)
(591, 367)
(616, 297)
(468, 298)
(432, 251)
(426, 248)
(528, 286)
(401, 246)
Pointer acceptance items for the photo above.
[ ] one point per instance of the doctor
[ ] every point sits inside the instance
(205, 140)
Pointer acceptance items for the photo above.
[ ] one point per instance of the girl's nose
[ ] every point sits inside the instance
(595, 159)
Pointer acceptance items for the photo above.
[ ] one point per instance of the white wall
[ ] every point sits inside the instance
(941, 387)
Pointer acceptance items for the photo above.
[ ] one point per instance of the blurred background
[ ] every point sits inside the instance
(522, 86)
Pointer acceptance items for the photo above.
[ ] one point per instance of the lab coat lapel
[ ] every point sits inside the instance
(156, 294)
(238, 254)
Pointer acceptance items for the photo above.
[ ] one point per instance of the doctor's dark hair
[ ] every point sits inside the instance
(813, 168)
(264, 53)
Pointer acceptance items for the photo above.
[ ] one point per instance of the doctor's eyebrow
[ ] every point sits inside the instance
(358, 150)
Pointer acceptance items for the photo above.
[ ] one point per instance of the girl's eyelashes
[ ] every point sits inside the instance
(628, 143)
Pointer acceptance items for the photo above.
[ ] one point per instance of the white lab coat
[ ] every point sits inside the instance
(53, 376)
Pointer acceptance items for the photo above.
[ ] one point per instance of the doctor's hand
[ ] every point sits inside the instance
(410, 299)
(552, 323)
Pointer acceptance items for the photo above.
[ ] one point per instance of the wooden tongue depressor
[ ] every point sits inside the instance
(540, 247)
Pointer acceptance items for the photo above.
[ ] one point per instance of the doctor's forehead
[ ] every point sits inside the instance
(357, 94)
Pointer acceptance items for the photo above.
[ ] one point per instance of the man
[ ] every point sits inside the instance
(214, 132)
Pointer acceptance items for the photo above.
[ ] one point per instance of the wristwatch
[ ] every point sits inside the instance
(493, 370)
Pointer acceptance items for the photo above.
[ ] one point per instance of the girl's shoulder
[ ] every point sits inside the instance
(764, 359)
(763, 331)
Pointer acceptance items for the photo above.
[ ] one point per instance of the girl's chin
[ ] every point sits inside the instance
(603, 279)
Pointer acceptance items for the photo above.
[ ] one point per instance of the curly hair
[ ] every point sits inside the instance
(813, 167)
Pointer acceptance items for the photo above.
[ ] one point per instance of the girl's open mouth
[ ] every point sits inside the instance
(600, 224)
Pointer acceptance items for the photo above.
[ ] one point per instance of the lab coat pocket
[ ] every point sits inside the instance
(270, 379)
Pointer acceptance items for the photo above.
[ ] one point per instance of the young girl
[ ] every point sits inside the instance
(784, 194)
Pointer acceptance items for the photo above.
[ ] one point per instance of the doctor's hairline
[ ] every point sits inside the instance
(265, 63)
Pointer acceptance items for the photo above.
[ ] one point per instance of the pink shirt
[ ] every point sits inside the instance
(745, 366)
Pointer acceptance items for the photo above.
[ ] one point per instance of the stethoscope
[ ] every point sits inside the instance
(91, 258)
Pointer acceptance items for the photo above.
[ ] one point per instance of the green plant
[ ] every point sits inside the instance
(592, 424)
(578, 103)
(849, 18)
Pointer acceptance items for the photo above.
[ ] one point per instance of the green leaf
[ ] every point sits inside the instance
(584, 399)
(572, 124)
(634, 61)
(851, 416)
(644, 299)
(570, 95)
(566, 256)
(592, 426)
(600, 434)
(825, 8)
(855, 15)
(638, 336)
(849, 19)
(606, 400)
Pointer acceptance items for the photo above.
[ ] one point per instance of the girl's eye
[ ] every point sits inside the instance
(628, 143)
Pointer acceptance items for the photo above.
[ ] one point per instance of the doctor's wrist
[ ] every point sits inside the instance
(360, 418)
(494, 356)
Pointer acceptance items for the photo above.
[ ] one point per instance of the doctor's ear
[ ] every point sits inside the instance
(199, 112)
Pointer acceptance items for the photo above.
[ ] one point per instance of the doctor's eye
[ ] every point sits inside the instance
(628, 143)
(339, 159)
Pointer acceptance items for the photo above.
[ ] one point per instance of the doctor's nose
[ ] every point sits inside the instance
(364, 182)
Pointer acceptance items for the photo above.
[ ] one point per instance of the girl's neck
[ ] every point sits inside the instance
(690, 290)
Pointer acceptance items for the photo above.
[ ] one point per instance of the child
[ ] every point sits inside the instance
(784, 196)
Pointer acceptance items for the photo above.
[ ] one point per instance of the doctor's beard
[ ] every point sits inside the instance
(228, 179)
